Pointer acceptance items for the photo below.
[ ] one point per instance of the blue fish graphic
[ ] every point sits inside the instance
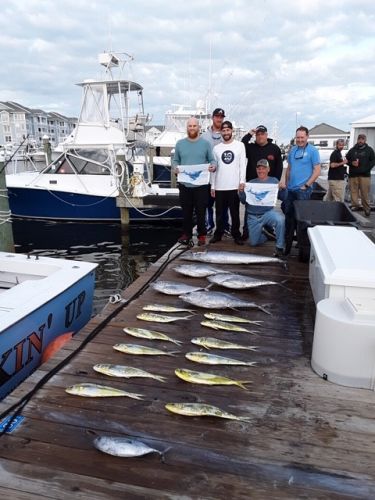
(259, 195)
(193, 175)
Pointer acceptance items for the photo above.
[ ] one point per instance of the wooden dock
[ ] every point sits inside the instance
(306, 438)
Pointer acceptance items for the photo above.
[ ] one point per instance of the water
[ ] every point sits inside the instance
(121, 256)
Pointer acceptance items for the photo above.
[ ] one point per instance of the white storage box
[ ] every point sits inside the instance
(344, 342)
(342, 263)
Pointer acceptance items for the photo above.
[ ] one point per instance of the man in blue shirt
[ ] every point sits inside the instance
(303, 170)
(193, 150)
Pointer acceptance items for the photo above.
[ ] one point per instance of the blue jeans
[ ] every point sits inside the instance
(287, 206)
(271, 218)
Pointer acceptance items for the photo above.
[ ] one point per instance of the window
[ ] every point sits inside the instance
(8, 138)
(6, 129)
(4, 117)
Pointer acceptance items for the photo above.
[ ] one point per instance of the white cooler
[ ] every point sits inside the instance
(342, 263)
(344, 341)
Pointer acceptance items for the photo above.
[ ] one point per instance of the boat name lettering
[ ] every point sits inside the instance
(34, 340)
(74, 309)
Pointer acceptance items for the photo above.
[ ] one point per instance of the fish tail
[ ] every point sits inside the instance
(251, 348)
(241, 383)
(177, 342)
(137, 396)
(251, 363)
(244, 419)
(187, 317)
(160, 378)
(163, 453)
(172, 353)
(264, 310)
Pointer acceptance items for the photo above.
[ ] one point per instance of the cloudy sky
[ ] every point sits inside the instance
(272, 62)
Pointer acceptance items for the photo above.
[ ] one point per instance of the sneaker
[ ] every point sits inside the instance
(355, 209)
(269, 233)
(279, 252)
(184, 240)
(215, 239)
(367, 213)
(210, 230)
(245, 237)
(227, 233)
(238, 241)
(201, 241)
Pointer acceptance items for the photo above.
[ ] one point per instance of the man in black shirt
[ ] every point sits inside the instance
(336, 173)
(262, 148)
(361, 159)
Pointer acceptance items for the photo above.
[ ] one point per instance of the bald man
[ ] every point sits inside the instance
(193, 150)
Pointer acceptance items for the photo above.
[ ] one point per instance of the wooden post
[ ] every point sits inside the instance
(6, 233)
(47, 149)
(124, 214)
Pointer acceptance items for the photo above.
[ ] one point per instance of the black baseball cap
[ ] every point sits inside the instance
(218, 112)
(227, 124)
(261, 128)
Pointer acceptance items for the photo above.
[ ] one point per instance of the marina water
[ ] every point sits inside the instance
(121, 256)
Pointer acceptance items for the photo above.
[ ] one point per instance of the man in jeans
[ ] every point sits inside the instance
(303, 170)
(361, 159)
(260, 215)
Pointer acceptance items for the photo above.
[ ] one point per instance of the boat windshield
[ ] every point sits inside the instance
(82, 161)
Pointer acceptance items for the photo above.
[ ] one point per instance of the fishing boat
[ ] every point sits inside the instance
(104, 159)
(44, 302)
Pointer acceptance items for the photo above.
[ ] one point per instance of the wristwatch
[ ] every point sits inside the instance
(307, 186)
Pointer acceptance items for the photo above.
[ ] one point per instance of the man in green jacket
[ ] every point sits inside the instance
(361, 159)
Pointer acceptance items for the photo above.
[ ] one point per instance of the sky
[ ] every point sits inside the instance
(279, 63)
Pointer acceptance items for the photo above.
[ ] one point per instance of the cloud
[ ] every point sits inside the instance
(263, 61)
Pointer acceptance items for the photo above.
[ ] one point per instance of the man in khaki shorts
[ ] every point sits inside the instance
(361, 159)
(336, 174)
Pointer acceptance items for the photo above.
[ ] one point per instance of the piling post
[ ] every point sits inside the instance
(47, 149)
(6, 232)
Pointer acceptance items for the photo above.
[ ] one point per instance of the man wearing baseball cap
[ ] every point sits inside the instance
(361, 159)
(259, 216)
(262, 148)
(213, 136)
(227, 180)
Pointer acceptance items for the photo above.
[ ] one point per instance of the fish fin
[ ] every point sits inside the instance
(187, 317)
(172, 353)
(160, 378)
(252, 347)
(208, 286)
(252, 363)
(177, 342)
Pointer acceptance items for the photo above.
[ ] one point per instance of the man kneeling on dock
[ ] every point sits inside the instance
(260, 197)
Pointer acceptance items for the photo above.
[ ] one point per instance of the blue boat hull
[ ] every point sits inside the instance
(32, 340)
(57, 205)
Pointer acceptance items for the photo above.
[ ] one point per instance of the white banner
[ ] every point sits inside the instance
(198, 175)
(261, 194)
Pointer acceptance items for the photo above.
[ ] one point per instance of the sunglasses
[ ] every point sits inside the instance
(298, 154)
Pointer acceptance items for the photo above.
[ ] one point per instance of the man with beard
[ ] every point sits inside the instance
(262, 148)
(227, 181)
(336, 174)
(303, 170)
(193, 150)
(361, 159)
(213, 136)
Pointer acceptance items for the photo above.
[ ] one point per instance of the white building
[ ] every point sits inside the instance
(324, 136)
(363, 126)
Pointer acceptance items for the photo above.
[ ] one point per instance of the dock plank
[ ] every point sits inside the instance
(306, 438)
